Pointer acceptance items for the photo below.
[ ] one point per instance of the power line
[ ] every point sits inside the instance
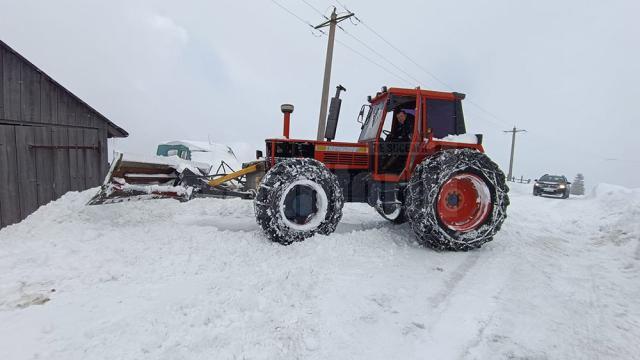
(405, 80)
(495, 120)
(373, 62)
(398, 50)
(377, 64)
(315, 9)
(431, 74)
(365, 45)
(341, 43)
(372, 49)
(380, 55)
(492, 118)
(297, 17)
(320, 12)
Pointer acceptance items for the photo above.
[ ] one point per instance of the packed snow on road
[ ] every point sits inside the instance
(199, 280)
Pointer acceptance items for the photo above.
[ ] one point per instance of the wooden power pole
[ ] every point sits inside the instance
(513, 146)
(332, 22)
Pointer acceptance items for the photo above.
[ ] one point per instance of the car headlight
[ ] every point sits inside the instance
(561, 187)
(536, 184)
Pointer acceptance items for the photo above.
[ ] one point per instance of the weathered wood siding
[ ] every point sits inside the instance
(40, 123)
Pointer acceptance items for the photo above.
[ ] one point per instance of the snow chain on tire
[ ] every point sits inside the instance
(274, 188)
(422, 193)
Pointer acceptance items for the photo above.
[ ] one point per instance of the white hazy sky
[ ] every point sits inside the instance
(566, 71)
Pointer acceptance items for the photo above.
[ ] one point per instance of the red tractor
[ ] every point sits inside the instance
(413, 162)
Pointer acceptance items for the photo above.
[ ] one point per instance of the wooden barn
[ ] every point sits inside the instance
(51, 141)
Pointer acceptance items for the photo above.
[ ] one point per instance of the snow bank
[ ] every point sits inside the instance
(520, 189)
(619, 218)
(610, 192)
(198, 280)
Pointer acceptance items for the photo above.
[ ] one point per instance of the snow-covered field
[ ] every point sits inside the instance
(198, 280)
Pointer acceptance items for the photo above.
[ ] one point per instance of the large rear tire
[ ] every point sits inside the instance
(296, 199)
(456, 200)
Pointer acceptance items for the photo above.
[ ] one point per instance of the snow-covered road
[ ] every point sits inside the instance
(198, 280)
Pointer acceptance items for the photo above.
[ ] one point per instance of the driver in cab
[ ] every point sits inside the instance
(404, 127)
(399, 138)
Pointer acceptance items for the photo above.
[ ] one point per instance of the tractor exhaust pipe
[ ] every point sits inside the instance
(286, 109)
(334, 114)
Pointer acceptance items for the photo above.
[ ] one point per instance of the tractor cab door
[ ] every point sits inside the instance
(392, 134)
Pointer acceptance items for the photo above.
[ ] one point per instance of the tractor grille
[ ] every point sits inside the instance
(346, 159)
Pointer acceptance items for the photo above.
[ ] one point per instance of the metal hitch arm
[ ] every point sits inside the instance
(234, 175)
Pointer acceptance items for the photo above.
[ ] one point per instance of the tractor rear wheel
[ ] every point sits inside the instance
(296, 199)
(456, 200)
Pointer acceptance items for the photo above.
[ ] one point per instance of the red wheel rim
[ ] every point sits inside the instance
(464, 202)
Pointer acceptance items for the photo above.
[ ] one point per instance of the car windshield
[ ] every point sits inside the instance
(552, 178)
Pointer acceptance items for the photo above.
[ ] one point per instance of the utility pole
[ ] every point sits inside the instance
(513, 146)
(332, 22)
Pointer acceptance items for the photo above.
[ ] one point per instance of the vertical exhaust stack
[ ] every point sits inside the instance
(334, 114)
(286, 109)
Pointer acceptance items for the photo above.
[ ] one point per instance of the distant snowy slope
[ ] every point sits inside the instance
(198, 280)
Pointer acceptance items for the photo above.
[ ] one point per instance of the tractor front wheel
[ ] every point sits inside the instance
(296, 199)
(456, 200)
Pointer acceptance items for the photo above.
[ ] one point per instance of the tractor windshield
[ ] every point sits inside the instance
(372, 123)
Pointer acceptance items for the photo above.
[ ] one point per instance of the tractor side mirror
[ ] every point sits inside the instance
(259, 154)
(361, 113)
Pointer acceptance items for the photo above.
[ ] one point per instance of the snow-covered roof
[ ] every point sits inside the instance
(210, 153)
(200, 145)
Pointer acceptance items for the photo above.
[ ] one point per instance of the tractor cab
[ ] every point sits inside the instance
(400, 121)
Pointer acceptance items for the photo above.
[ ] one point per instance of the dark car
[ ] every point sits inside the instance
(553, 185)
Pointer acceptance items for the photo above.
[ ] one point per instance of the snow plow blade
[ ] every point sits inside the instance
(137, 178)
(141, 178)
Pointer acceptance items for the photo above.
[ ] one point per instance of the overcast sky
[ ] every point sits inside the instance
(566, 71)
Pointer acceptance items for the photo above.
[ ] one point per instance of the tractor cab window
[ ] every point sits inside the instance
(444, 118)
(372, 122)
(377, 117)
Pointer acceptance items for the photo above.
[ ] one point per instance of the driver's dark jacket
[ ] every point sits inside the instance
(402, 132)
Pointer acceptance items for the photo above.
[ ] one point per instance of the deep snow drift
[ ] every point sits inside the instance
(198, 280)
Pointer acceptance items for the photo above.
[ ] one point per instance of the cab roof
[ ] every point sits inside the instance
(426, 93)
